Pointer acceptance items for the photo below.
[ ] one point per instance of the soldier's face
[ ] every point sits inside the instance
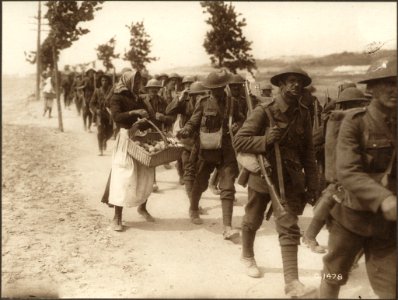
(266, 93)
(218, 92)
(235, 90)
(385, 92)
(153, 91)
(292, 85)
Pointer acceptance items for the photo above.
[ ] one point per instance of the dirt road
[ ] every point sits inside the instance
(57, 242)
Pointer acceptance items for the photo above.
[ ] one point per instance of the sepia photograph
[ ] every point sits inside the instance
(199, 149)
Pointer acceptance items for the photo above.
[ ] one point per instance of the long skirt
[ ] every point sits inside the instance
(131, 182)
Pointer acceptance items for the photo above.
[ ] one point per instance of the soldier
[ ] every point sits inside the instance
(349, 98)
(156, 107)
(210, 119)
(186, 82)
(98, 105)
(168, 92)
(266, 90)
(293, 132)
(237, 94)
(185, 105)
(78, 93)
(88, 88)
(366, 168)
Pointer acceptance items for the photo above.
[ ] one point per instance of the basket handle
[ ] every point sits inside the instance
(166, 142)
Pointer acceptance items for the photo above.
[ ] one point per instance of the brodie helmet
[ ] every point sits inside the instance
(291, 70)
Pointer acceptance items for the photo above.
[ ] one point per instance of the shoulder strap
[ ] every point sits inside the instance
(277, 157)
(272, 122)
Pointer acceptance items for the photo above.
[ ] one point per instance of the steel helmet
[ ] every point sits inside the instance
(188, 79)
(197, 88)
(291, 70)
(346, 84)
(236, 79)
(381, 69)
(153, 83)
(265, 86)
(217, 79)
(163, 75)
(351, 94)
(174, 75)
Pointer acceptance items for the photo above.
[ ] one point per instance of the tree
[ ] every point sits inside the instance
(140, 44)
(225, 42)
(106, 52)
(63, 19)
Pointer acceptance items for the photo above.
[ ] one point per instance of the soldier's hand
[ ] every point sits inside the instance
(139, 112)
(273, 135)
(183, 133)
(159, 116)
(235, 128)
(184, 95)
(312, 197)
(389, 208)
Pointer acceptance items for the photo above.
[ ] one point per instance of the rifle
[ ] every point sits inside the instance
(315, 125)
(265, 168)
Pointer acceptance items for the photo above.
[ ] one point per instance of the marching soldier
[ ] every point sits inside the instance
(366, 168)
(265, 92)
(293, 132)
(348, 99)
(168, 91)
(210, 120)
(186, 82)
(185, 105)
(156, 107)
(98, 105)
(235, 86)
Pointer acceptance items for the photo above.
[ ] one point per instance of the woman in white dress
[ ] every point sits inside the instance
(131, 183)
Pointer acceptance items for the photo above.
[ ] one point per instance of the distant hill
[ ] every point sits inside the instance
(336, 59)
(306, 61)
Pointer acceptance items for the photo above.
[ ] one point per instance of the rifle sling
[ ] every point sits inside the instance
(278, 156)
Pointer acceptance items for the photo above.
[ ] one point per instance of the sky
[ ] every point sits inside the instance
(177, 30)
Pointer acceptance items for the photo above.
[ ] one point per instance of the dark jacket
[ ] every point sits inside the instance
(365, 146)
(184, 107)
(209, 116)
(296, 146)
(121, 104)
(154, 104)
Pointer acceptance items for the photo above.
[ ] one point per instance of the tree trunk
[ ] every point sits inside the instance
(57, 91)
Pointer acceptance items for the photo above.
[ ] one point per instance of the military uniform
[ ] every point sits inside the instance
(364, 150)
(366, 168)
(210, 115)
(156, 104)
(189, 156)
(297, 154)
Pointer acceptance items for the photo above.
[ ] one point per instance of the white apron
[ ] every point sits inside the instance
(131, 182)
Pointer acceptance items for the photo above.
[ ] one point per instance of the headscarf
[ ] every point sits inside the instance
(126, 82)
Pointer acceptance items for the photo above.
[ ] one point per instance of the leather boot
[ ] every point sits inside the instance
(295, 289)
(328, 291)
(195, 218)
(117, 219)
(251, 267)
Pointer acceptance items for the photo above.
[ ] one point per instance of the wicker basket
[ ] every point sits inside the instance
(169, 154)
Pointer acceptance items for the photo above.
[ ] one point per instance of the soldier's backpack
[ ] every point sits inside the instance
(332, 131)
